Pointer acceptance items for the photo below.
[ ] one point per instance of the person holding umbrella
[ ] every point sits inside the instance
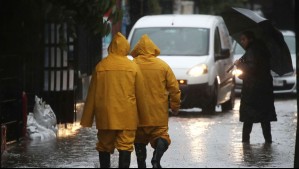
(248, 20)
(266, 50)
(257, 98)
(162, 88)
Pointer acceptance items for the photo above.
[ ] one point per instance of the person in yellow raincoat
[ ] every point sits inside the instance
(161, 86)
(115, 100)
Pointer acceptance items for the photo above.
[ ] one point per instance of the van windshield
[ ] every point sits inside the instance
(176, 41)
(291, 42)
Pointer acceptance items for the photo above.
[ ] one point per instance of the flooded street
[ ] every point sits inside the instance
(127, 56)
(76, 150)
(214, 141)
(198, 140)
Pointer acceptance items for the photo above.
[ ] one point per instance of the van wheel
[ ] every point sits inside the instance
(209, 107)
(229, 105)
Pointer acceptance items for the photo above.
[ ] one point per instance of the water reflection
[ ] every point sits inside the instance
(72, 148)
(67, 130)
(260, 155)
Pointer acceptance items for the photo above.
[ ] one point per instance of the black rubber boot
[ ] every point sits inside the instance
(124, 159)
(266, 126)
(140, 150)
(104, 158)
(247, 128)
(161, 147)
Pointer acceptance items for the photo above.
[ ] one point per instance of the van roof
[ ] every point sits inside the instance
(287, 33)
(203, 21)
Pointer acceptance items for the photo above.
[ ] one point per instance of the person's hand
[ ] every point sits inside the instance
(175, 112)
(237, 62)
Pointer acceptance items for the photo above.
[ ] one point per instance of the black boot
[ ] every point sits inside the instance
(247, 128)
(140, 150)
(161, 147)
(104, 158)
(266, 126)
(124, 159)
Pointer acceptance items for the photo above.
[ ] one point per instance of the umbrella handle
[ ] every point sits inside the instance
(242, 60)
(230, 68)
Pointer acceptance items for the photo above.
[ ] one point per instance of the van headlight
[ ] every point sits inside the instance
(198, 70)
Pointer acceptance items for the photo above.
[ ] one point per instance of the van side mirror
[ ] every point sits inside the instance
(225, 53)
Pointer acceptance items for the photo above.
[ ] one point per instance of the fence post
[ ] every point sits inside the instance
(24, 113)
(3, 139)
(296, 161)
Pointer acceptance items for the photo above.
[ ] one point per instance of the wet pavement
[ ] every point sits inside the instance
(198, 140)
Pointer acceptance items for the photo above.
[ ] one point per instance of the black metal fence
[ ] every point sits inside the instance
(31, 60)
(10, 97)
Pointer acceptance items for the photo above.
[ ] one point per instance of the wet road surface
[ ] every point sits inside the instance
(198, 140)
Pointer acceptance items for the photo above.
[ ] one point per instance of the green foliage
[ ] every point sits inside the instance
(215, 7)
(73, 13)
(154, 7)
(88, 13)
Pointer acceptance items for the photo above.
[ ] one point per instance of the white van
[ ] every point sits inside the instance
(198, 49)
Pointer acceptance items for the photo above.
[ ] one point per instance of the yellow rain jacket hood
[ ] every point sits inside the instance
(116, 91)
(145, 47)
(160, 83)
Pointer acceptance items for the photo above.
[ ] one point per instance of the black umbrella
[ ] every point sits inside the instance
(239, 20)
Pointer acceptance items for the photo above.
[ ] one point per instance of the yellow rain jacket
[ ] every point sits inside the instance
(116, 91)
(160, 83)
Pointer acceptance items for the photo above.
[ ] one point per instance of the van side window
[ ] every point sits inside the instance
(217, 42)
(225, 38)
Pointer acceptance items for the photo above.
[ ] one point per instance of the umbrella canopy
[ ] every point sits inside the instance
(239, 20)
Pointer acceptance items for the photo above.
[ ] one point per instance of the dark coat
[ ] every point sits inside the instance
(257, 98)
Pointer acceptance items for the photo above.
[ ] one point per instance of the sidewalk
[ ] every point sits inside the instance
(73, 148)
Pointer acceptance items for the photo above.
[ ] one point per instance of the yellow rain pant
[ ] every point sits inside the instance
(109, 140)
(147, 135)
